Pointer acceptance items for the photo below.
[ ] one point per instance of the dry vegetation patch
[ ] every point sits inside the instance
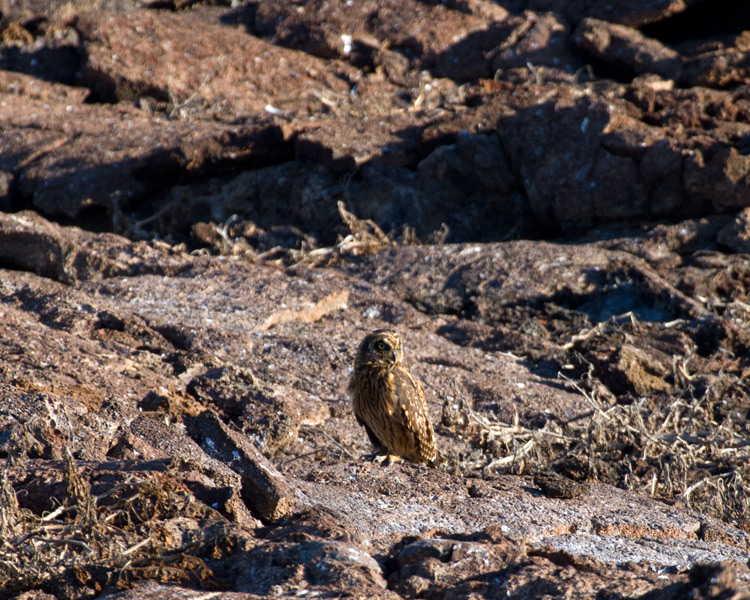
(689, 444)
(91, 542)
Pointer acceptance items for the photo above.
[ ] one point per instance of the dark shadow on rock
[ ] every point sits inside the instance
(111, 185)
(536, 40)
(460, 179)
(701, 21)
(106, 89)
(603, 69)
(411, 146)
(244, 16)
(705, 580)
(72, 192)
(59, 64)
(616, 298)
(577, 173)
(300, 36)
(467, 59)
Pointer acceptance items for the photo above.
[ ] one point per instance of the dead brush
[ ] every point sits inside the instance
(365, 237)
(113, 538)
(39, 549)
(667, 447)
(12, 518)
(505, 447)
(673, 448)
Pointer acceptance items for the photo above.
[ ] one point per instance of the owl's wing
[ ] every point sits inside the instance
(412, 412)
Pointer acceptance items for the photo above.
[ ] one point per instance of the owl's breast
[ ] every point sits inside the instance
(373, 388)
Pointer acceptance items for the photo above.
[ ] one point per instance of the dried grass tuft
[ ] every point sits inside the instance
(94, 541)
(668, 447)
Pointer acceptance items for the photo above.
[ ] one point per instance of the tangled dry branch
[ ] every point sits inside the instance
(669, 447)
(94, 540)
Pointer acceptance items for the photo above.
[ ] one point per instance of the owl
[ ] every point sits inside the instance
(390, 403)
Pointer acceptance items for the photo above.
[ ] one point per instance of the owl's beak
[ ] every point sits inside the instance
(393, 356)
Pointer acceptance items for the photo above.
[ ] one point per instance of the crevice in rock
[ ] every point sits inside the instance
(603, 69)
(13, 201)
(96, 219)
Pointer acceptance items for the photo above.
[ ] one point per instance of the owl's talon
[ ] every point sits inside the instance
(378, 456)
(384, 459)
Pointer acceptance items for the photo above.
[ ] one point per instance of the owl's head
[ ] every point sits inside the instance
(380, 348)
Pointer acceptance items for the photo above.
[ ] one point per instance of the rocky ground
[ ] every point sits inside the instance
(204, 209)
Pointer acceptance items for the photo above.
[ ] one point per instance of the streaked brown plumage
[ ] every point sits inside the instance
(390, 403)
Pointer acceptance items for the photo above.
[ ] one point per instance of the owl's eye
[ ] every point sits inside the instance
(381, 346)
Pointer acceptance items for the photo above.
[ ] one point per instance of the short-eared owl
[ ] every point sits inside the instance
(390, 403)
